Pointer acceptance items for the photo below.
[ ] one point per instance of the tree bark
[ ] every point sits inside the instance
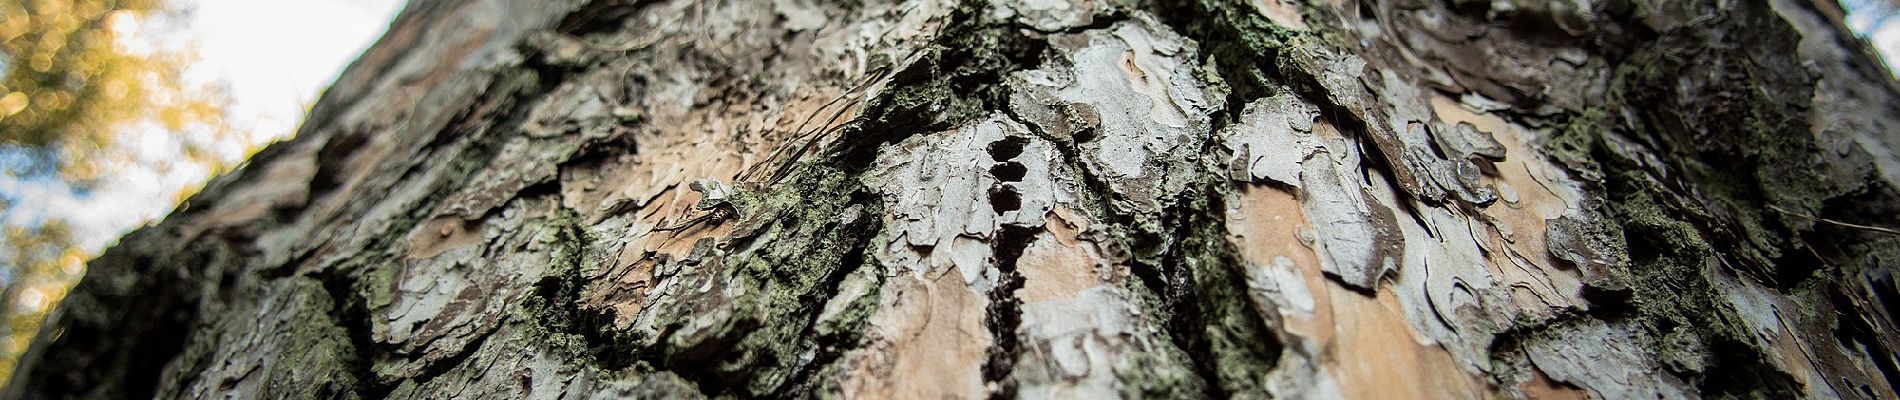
(1040, 199)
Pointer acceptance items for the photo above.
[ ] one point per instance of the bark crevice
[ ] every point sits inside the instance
(1005, 310)
(351, 312)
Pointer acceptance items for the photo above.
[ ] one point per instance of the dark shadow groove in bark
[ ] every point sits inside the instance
(555, 307)
(1244, 348)
(350, 311)
(599, 16)
(1185, 323)
(804, 382)
(1005, 312)
(1119, 238)
(1860, 330)
(956, 80)
(1240, 45)
(173, 309)
(829, 348)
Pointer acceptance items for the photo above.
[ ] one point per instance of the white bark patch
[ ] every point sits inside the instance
(1273, 137)
(1280, 281)
(1605, 360)
(440, 304)
(1410, 121)
(1133, 84)
(1447, 288)
(1359, 240)
(1080, 330)
(948, 193)
(937, 190)
(1074, 348)
(1049, 15)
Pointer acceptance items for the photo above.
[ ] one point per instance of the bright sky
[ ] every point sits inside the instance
(277, 55)
(1876, 20)
(273, 56)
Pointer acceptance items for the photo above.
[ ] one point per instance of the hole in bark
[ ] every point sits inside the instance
(1008, 148)
(1858, 330)
(332, 160)
(597, 17)
(352, 313)
(1005, 199)
(1366, 14)
(1085, 135)
(1009, 172)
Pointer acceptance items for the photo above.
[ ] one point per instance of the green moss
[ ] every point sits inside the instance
(554, 315)
(1745, 143)
(1685, 320)
(1164, 372)
(320, 359)
(1247, 53)
(955, 80)
(848, 325)
(1687, 323)
(1576, 143)
(1244, 350)
(751, 333)
(1696, 202)
(816, 212)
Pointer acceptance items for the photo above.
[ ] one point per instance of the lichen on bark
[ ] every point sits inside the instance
(1040, 199)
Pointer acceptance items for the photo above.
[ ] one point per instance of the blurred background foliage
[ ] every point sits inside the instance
(72, 88)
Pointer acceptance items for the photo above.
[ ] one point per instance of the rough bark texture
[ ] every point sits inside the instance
(1037, 198)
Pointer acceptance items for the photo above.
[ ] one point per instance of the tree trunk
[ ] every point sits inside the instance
(1042, 199)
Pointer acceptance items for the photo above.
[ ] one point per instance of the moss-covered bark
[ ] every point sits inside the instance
(1043, 199)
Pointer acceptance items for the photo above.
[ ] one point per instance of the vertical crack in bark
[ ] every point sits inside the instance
(1197, 274)
(351, 311)
(1168, 277)
(556, 309)
(1185, 322)
(1860, 329)
(175, 305)
(1241, 46)
(1005, 312)
(1209, 306)
(804, 382)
